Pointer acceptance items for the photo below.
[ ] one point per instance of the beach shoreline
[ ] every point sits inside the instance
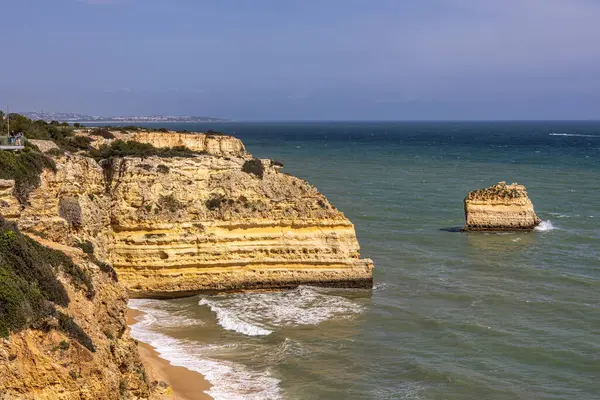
(184, 383)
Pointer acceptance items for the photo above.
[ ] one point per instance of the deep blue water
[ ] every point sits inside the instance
(452, 315)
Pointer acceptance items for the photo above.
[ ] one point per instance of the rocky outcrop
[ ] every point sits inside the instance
(215, 144)
(214, 222)
(500, 207)
(44, 145)
(46, 363)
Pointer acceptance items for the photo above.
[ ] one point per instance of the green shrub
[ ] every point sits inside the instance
(145, 167)
(107, 269)
(74, 331)
(254, 167)
(29, 288)
(25, 168)
(64, 345)
(210, 132)
(56, 152)
(169, 203)
(76, 143)
(86, 246)
(121, 148)
(103, 132)
(216, 201)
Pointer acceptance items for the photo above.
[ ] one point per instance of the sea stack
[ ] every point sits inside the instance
(500, 207)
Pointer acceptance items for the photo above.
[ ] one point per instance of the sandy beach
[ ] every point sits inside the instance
(185, 384)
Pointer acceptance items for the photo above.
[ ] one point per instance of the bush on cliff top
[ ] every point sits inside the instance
(121, 148)
(24, 168)
(29, 287)
(254, 167)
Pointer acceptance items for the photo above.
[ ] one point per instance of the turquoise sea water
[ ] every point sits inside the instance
(452, 315)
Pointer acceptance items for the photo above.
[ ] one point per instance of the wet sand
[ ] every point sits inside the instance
(185, 384)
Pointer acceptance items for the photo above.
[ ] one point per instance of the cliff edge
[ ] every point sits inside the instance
(216, 220)
(500, 207)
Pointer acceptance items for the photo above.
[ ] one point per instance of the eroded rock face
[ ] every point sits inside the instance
(38, 365)
(178, 226)
(500, 207)
(213, 144)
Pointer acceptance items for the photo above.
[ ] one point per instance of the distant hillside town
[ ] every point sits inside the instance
(75, 117)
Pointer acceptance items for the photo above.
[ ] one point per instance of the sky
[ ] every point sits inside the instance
(304, 60)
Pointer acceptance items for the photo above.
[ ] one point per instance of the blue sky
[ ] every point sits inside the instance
(284, 59)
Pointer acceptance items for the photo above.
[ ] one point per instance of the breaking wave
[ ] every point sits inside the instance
(159, 314)
(259, 314)
(545, 226)
(229, 320)
(229, 380)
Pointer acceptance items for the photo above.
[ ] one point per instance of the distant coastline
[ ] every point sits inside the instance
(147, 122)
(123, 119)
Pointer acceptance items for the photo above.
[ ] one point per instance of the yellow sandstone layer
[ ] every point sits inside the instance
(177, 226)
(500, 207)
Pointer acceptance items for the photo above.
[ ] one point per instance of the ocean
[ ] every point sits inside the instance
(452, 315)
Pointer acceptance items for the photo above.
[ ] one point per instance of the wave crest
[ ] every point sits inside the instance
(256, 314)
(573, 134)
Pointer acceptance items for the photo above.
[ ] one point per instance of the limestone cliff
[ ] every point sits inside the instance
(209, 143)
(213, 222)
(500, 207)
(49, 363)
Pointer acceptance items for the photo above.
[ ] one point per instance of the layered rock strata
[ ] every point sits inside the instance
(500, 207)
(214, 222)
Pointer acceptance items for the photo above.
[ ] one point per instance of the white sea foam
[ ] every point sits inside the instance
(573, 134)
(545, 226)
(261, 313)
(229, 320)
(231, 381)
(160, 315)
